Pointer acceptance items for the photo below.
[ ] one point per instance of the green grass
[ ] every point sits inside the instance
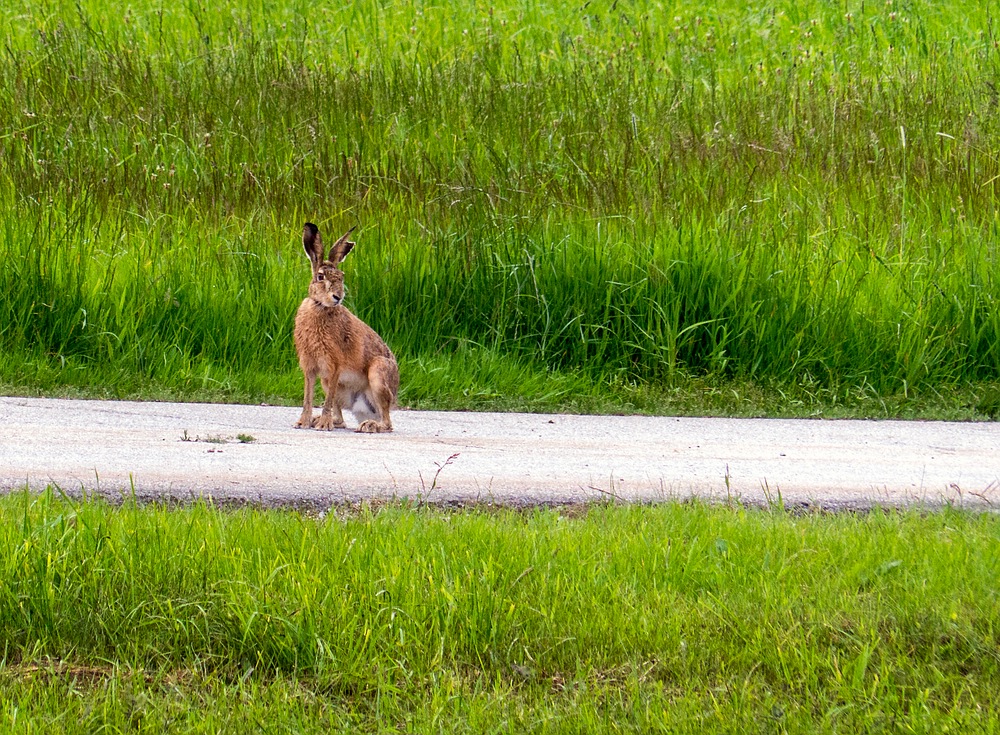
(677, 617)
(580, 206)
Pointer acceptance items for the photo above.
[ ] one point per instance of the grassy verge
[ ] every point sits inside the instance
(588, 207)
(680, 618)
(487, 383)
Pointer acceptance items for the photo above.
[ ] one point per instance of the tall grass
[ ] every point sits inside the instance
(674, 618)
(629, 193)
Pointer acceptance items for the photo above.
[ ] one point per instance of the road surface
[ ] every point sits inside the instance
(171, 451)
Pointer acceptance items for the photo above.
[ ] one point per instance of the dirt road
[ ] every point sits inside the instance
(182, 451)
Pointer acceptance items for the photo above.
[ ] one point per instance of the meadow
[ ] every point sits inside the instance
(781, 209)
(696, 619)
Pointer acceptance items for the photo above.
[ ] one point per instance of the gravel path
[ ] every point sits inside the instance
(181, 451)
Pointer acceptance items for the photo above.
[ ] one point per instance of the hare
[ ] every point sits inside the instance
(356, 368)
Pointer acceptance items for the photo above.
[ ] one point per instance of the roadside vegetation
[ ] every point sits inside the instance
(693, 619)
(787, 209)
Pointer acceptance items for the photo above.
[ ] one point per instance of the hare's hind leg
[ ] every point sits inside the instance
(383, 382)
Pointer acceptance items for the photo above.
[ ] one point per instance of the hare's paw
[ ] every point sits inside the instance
(305, 421)
(373, 427)
(326, 423)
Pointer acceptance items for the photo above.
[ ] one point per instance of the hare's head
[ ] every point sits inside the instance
(327, 286)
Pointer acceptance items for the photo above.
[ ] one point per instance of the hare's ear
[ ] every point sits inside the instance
(342, 247)
(312, 243)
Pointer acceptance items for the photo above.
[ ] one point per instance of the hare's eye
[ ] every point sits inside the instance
(319, 276)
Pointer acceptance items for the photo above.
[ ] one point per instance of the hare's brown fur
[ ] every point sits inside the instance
(356, 368)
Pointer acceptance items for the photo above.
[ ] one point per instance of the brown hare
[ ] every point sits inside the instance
(356, 368)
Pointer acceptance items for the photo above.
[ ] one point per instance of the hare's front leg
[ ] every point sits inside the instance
(331, 416)
(306, 419)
